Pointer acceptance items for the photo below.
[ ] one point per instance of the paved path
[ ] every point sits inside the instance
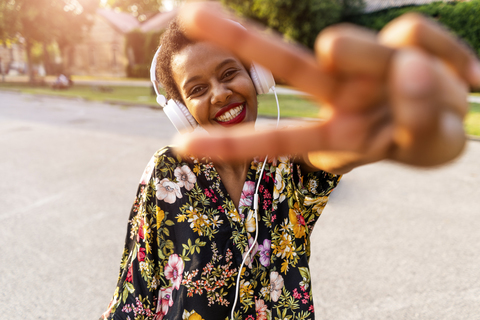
(393, 243)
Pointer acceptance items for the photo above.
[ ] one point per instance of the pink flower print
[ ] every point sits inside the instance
(247, 194)
(129, 274)
(265, 250)
(185, 177)
(174, 270)
(165, 301)
(158, 316)
(167, 190)
(266, 177)
(260, 309)
(276, 285)
(141, 231)
(141, 254)
(147, 173)
(301, 219)
(208, 193)
(311, 308)
(297, 295)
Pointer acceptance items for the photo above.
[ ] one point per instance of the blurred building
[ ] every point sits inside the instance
(102, 52)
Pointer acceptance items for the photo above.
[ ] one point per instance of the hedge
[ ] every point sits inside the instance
(461, 18)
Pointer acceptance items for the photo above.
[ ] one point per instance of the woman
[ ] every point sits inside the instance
(192, 221)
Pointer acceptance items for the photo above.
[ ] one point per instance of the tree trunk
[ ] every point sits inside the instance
(28, 49)
(46, 59)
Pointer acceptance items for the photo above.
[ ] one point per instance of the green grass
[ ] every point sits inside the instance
(130, 94)
(472, 121)
(290, 106)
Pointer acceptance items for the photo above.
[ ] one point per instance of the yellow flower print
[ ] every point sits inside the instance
(160, 217)
(195, 316)
(297, 221)
(196, 169)
(192, 315)
(197, 220)
(318, 203)
(284, 248)
(233, 214)
(246, 290)
(250, 222)
(283, 165)
(279, 186)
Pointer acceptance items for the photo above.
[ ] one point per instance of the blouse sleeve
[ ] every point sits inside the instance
(312, 191)
(136, 294)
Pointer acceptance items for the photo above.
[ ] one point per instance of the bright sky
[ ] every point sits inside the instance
(167, 4)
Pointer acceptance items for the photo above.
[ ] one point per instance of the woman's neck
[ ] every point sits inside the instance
(233, 176)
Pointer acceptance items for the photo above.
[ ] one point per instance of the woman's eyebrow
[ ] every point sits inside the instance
(192, 79)
(224, 62)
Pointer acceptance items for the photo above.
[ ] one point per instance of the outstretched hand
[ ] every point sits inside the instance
(400, 94)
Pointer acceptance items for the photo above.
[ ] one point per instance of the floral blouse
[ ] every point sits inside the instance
(186, 241)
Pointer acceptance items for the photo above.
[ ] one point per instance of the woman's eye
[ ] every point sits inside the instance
(196, 90)
(229, 74)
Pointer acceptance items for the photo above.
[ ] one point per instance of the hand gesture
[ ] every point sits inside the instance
(400, 94)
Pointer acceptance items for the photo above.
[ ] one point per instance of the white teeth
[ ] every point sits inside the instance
(230, 114)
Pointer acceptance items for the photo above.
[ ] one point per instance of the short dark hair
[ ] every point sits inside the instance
(172, 41)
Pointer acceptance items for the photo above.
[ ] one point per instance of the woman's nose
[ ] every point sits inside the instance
(220, 93)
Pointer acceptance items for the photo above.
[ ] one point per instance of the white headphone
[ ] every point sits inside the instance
(178, 113)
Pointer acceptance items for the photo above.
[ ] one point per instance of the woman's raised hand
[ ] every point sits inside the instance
(400, 94)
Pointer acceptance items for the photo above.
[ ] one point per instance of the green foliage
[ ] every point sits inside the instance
(143, 46)
(461, 18)
(297, 20)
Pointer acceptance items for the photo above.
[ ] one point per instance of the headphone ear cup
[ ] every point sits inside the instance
(262, 78)
(179, 115)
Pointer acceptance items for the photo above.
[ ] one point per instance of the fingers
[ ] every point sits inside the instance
(359, 62)
(352, 50)
(237, 144)
(284, 60)
(414, 30)
(428, 105)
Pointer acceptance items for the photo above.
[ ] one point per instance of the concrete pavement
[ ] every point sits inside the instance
(393, 243)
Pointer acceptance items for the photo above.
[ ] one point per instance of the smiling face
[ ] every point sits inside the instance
(215, 86)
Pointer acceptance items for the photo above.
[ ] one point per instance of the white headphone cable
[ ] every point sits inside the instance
(255, 216)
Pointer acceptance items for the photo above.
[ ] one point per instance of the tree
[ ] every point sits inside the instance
(297, 20)
(44, 21)
(140, 9)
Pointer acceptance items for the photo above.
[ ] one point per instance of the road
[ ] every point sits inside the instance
(393, 243)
